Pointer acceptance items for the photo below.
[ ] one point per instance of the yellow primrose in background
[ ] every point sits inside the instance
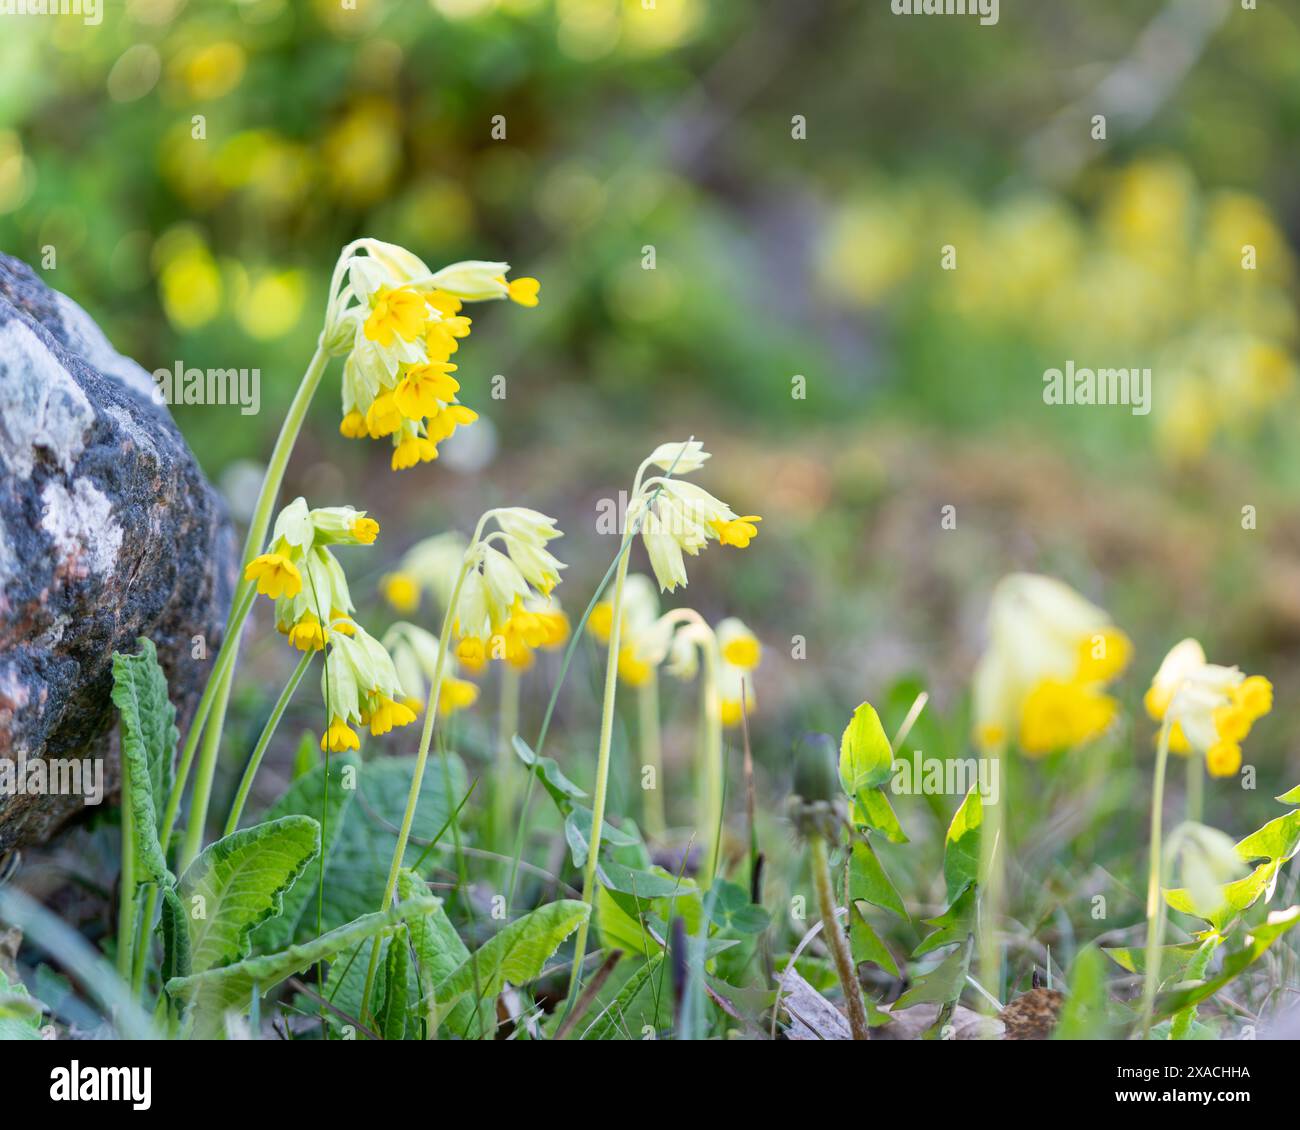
(1041, 683)
(1209, 709)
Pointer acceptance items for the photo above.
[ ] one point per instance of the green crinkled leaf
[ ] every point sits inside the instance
(866, 760)
(391, 1018)
(1236, 963)
(308, 796)
(620, 916)
(638, 1004)
(868, 881)
(517, 954)
(173, 924)
(356, 872)
(210, 995)
(241, 880)
(866, 945)
(149, 737)
(961, 851)
(439, 952)
(942, 985)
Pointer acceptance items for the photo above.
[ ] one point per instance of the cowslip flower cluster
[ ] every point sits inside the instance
(505, 610)
(532, 623)
(300, 573)
(1042, 681)
(415, 656)
(1209, 709)
(399, 324)
(360, 686)
(678, 517)
(740, 654)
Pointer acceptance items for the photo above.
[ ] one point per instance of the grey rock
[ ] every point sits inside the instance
(108, 532)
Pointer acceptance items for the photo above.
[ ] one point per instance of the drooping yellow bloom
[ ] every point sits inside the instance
(424, 389)
(401, 591)
(387, 714)
(523, 291)
(740, 653)
(400, 312)
(1210, 709)
(308, 634)
(275, 574)
(456, 694)
(738, 532)
(339, 737)
(365, 530)
(1041, 682)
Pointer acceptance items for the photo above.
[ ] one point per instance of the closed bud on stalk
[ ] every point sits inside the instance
(813, 806)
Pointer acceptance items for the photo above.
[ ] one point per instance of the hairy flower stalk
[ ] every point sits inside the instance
(674, 518)
(652, 802)
(1155, 904)
(836, 942)
(490, 588)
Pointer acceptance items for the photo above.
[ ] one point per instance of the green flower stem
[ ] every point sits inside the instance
(127, 893)
(602, 758)
(1195, 787)
(225, 658)
(993, 879)
(426, 739)
(503, 795)
(836, 942)
(711, 797)
(1155, 904)
(257, 530)
(268, 732)
(652, 807)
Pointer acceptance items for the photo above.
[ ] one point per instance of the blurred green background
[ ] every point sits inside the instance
(797, 169)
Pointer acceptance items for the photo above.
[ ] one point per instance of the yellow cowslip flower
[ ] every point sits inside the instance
(523, 291)
(506, 591)
(401, 591)
(424, 389)
(456, 694)
(398, 323)
(415, 657)
(339, 737)
(643, 641)
(300, 573)
(738, 645)
(396, 312)
(738, 531)
(735, 695)
(276, 575)
(388, 713)
(739, 653)
(679, 518)
(1041, 682)
(360, 685)
(1210, 709)
(308, 634)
